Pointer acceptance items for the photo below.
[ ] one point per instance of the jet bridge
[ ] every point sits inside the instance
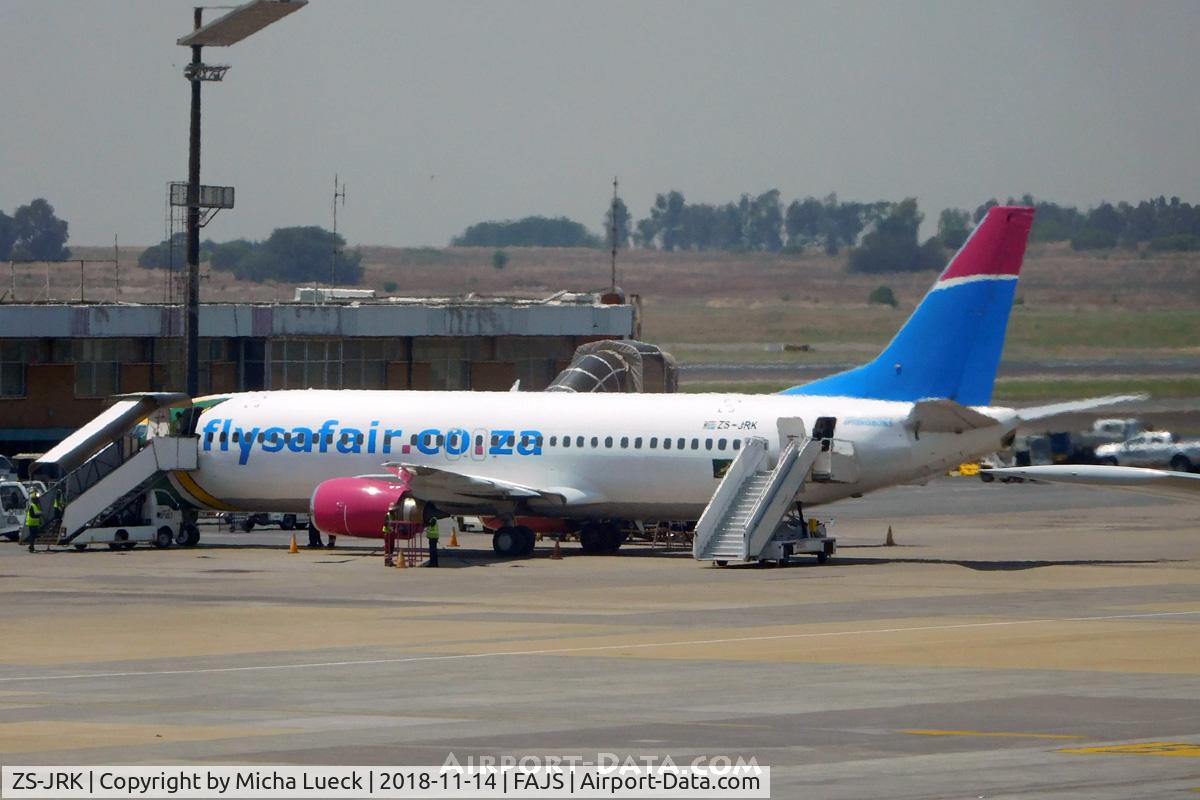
(104, 470)
(745, 520)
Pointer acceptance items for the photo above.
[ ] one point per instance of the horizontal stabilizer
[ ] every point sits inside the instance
(946, 416)
(1073, 406)
(1184, 485)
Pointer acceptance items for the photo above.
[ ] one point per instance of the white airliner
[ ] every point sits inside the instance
(594, 459)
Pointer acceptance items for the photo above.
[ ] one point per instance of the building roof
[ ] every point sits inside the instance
(562, 314)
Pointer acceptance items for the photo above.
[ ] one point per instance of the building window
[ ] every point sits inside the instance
(97, 367)
(364, 363)
(306, 364)
(14, 355)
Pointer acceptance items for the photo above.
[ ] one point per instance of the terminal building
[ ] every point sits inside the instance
(60, 362)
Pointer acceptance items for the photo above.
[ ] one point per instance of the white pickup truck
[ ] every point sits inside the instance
(1153, 449)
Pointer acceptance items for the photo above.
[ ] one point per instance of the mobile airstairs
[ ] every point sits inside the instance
(106, 474)
(754, 516)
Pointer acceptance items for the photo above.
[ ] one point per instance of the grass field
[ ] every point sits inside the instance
(1016, 390)
(742, 307)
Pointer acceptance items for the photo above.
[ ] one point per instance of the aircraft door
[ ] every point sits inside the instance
(479, 444)
(789, 428)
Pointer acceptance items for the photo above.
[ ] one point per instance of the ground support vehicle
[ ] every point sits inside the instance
(157, 520)
(14, 499)
(1153, 449)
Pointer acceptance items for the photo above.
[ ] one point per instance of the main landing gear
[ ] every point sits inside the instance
(601, 537)
(513, 541)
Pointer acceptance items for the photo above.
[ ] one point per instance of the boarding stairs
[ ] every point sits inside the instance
(104, 468)
(752, 500)
(128, 484)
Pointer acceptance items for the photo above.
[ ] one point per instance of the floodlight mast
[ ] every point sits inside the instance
(241, 22)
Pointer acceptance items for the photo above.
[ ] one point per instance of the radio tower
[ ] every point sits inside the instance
(613, 214)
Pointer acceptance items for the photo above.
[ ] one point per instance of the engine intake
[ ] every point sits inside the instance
(360, 506)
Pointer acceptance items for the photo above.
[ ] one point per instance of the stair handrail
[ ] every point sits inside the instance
(799, 455)
(747, 461)
(786, 459)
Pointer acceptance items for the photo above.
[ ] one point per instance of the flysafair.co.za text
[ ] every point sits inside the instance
(332, 437)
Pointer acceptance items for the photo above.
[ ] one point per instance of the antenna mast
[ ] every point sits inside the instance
(337, 194)
(613, 214)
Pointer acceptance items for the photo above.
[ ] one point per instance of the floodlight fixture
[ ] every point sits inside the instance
(243, 21)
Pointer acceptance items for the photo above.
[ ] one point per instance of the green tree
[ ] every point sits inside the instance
(528, 232)
(953, 227)
(39, 234)
(300, 254)
(623, 221)
(892, 245)
(883, 295)
(499, 259)
(8, 235)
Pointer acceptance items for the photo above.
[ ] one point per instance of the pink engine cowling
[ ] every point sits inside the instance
(355, 506)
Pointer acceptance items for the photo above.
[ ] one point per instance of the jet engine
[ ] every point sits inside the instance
(360, 506)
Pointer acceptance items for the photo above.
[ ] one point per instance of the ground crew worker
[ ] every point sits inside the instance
(59, 505)
(431, 533)
(33, 519)
(314, 536)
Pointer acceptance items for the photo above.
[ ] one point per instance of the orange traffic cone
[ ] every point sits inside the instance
(401, 559)
(891, 540)
(453, 537)
(293, 548)
(557, 554)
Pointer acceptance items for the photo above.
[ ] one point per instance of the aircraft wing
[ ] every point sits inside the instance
(1184, 485)
(448, 486)
(1042, 412)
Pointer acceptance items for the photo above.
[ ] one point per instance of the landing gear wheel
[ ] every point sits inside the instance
(508, 542)
(163, 537)
(188, 536)
(593, 538)
(288, 523)
(526, 540)
(1181, 463)
(615, 538)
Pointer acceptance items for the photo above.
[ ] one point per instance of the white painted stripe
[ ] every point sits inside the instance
(946, 284)
(590, 649)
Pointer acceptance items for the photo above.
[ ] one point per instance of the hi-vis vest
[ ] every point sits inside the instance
(431, 531)
(33, 514)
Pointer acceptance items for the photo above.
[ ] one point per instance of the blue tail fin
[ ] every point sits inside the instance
(950, 347)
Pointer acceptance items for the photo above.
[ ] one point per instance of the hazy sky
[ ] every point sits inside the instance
(439, 115)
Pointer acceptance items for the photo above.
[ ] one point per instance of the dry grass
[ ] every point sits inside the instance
(1071, 304)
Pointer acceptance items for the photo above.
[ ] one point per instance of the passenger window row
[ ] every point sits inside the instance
(650, 443)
